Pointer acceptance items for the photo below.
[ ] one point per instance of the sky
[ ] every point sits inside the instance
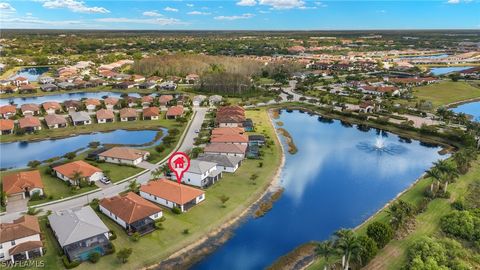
(240, 14)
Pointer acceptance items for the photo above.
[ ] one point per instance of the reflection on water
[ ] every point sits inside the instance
(472, 109)
(20, 153)
(331, 183)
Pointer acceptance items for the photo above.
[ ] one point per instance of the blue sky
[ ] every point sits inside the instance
(240, 14)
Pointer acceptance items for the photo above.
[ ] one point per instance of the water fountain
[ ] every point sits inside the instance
(380, 146)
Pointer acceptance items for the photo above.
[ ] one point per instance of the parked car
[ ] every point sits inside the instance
(105, 181)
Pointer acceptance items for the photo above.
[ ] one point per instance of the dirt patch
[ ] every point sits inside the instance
(378, 263)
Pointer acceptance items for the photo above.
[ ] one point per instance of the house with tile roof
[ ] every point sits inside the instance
(55, 121)
(151, 113)
(237, 150)
(20, 81)
(124, 155)
(128, 114)
(78, 169)
(230, 138)
(91, 104)
(146, 101)
(30, 109)
(201, 174)
(72, 105)
(29, 124)
(80, 232)
(6, 126)
(22, 184)
(174, 112)
(105, 116)
(52, 107)
(172, 194)
(110, 102)
(163, 100)
(132, 212)
(8, 111)
(20, 240)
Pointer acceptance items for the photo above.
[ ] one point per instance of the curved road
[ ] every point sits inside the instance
(113, 190)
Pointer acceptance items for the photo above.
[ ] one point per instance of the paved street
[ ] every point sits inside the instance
(116, 189)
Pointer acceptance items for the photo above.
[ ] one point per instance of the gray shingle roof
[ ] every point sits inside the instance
(222, 160)
(200, 167)
(74, 225)
(80, 116)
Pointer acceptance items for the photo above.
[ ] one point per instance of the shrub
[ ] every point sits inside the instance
(176, 210)
(94, 257)
(33, 163)
(123, 254)
(68, 264)
(186, 231)
(110, 249)
(36, 196)
(461, 224)
(70, 155)
(113, 236)
(160, 148)
(135, 237)
(368, 249)
(380, 232)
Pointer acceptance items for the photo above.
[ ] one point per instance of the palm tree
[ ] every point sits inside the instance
(435, 174)
(156, 173)
(77, 177)
(325, 249)
(133, 186)
(348, 243)
(448, 171)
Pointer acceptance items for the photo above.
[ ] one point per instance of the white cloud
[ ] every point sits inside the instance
(151, 13)
(29, 14)
(319, 4)
(74, 5)
(159, 21)
(283, 4)
(234, 17)
(6, 7)
(170, 9)
(190, 5)
(453, 1)
(247, 3)
(32, 20)
(198, 13)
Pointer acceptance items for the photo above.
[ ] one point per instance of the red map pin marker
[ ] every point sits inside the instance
(179, 163)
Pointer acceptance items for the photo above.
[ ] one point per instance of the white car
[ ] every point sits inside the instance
(197, 131)
(105, 181)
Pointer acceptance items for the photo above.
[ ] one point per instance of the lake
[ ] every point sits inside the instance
(62, 97)
(18, 154)
(337, 180)
(31, 73)
(436, 71)
(472, 108)
(433, 56)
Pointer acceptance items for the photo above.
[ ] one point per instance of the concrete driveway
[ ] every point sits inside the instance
(16, 205)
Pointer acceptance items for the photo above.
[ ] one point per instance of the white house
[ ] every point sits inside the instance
(202, 174)
(132, 212)
(225, 163)
(124, 155)
(68, 171)
(20, 240)
(171, 194)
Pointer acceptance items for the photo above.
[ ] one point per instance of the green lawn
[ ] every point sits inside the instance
(393, 256)
(116, 172)
(446, 92)
(201, 219)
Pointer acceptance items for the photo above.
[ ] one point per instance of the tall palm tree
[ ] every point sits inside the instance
(325, 249)
(435, 174)
(157, 173)
(448, 171)
(347, 242)
(77, 177)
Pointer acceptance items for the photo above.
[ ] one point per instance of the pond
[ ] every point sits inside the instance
(436, 71)
(31, 73)
(341, 175)
(62, 97)
(433, 56)
(472, 109)
(18, 154)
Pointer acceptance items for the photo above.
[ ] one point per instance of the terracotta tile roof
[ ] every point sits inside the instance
(124, 153)
(27, 87)
(29, 121)
(105, 114)
(164, 99)
(80, 166)
(128, 112)
(231, 109)
(147, 99)
(171, 191)
(227, 130)
(230, 138)
(175, 111)
(225, 148)
(17, 182)
(20, 78)
(8, 109)
(111, 101)
(54, 119)
(25, 246)
(51, 105)
(29, 107)
(6, 124)
(151, 111)
(130, 207)
(19, 228)
(92, 101)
